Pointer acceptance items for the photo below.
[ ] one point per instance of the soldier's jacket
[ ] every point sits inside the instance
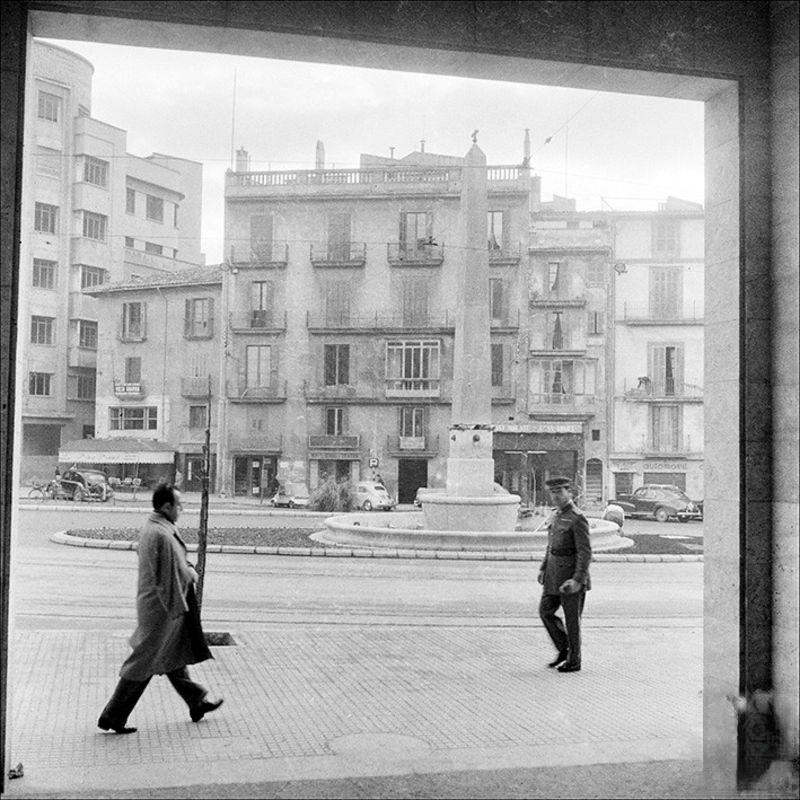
(569, 550)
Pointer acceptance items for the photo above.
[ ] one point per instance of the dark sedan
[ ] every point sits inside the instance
(660, 502)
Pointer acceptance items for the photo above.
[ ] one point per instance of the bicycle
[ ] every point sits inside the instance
(46, 491)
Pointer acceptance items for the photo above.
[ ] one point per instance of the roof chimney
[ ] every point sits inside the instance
(422, 145)
(320, 159)
(391, 152)
(526, 149)
(242, 160)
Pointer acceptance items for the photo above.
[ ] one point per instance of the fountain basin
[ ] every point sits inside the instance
(494, 512)
(406, 530)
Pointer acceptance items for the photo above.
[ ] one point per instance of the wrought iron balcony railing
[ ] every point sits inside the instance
(260, 254)
(342, 254)
(657, 389)
(413, 387)
(414, 254)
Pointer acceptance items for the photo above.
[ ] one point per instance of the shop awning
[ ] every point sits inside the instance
(116, 451)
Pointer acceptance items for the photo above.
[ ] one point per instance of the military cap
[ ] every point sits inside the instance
(558, 483)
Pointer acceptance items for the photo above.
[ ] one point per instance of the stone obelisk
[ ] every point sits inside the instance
(469, 502)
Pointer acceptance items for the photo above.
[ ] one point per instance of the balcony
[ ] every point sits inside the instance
(129, 391)
(563, 299)
(546, 344)
(413, 387)
(646, 314)
(568, 399)
(345, 254)
(274, 392)
(83, 357)
(671, 447)
(505, 256)
(662, 389)
(266, 255)
(387, 323)
(399, 446)
(330, 442)
(400, 254)
(258, 321)
(197, 386)
(90, 252)
(82, 306)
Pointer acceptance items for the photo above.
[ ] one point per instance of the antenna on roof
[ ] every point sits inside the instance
(233, 115)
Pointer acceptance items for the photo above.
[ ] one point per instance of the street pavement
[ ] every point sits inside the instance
(361, 678)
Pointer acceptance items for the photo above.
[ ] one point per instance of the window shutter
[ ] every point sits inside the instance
(211, 316)
(273, 367)
(187, 319)
(429, 224)
(403, 228)
(344, 364)
(144, 320)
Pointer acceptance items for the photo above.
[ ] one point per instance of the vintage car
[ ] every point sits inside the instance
(371, 494)
(292, 495)
(86, 484)
(660, 502)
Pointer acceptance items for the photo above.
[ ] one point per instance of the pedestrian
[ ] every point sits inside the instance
(168, 635)
(564, 575)
(178, 480)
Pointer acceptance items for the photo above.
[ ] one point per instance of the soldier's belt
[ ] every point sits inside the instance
(561, 551)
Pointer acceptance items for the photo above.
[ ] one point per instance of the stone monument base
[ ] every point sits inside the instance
(446, 512)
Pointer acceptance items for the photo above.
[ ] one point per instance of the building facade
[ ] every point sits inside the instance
(659, 285)
(92, 213)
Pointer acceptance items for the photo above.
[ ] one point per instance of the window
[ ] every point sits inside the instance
(339, 236)
(558, 332)
(334, 421)
(496, 306)
(130, 200)
(82, 386)
(40, 383)
(261, 236)
(48, 162)
(595, 434)
(258, 366)
(92, 276)
(133, 321)
(42, 330)
(562, 381)
(495, 232)
(665, 435)
(130, 241)
(412, 422)
(155, 208)
(595, 322)
(596, 273)
(416, 292)
(337, 303)
(49, 106)
(45, 218)
(95, 171)
(151, 247)
(623, 482)
(199, 318)
(412, 365)
(337, 364)
(198, 416)
(198, 365)
(666, 237)
(133, 369)
(94, 226)
(553, 270)
(133, 418)
(666, 369)
(261, 302)
(497, 365)
(665, 292)
(44, 273)
(416, 230)
(87, 334)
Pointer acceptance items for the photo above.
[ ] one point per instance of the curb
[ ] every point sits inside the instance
(246, 512)
(64, 537)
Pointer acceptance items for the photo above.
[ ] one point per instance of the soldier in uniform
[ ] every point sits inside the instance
(564, 576)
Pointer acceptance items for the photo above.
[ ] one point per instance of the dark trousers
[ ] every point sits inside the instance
(567, 639)
(128, 692)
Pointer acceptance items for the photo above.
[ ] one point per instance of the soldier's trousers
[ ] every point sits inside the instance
(566, 638)
(127, 694)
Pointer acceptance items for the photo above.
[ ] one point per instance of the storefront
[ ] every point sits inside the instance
(254, 474)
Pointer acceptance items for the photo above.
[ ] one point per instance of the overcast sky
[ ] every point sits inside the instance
(630, 150)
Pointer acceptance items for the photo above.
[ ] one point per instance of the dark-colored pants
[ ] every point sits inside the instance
(566, 639)
(128, 692)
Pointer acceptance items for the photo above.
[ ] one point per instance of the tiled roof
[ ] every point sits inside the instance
(211, 273)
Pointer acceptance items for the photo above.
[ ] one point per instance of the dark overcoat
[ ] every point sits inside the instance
(569, 550)
(168, 634)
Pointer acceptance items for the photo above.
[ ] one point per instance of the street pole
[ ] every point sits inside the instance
(202, 533)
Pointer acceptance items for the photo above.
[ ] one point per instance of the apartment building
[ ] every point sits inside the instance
(92, 213)
(562, 423)
(658, 347)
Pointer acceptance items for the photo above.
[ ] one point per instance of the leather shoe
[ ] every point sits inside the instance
(562, 656)
(199, 711)
(106, 725)
(567, 667)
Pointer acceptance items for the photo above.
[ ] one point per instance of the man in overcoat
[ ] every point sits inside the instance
(564, 576)
(168, 635)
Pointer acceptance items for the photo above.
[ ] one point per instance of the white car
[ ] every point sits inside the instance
(371, 494)
(293, 495)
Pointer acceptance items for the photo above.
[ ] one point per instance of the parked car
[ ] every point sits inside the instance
(292, 495)
(86, 484)
(371, 494)
(661, 502)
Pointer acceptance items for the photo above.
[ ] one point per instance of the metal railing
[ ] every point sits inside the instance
(344, 254)
(663, 387)
(648, 312)
(259, 320)
(411, 253)
(413, 387)
(561, 399)
(260, 254)
(273, 391)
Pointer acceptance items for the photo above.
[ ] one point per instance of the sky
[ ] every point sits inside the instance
(606, 150)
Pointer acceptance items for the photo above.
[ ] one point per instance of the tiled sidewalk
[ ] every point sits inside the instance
(333, 701)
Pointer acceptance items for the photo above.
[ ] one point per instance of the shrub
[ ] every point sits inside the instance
(332, 495)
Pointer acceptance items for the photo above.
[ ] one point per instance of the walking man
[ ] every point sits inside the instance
(168, 635)
(564, 576)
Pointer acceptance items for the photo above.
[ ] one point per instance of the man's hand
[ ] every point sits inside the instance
(569, 587)
(540, 577)
(194, 572)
